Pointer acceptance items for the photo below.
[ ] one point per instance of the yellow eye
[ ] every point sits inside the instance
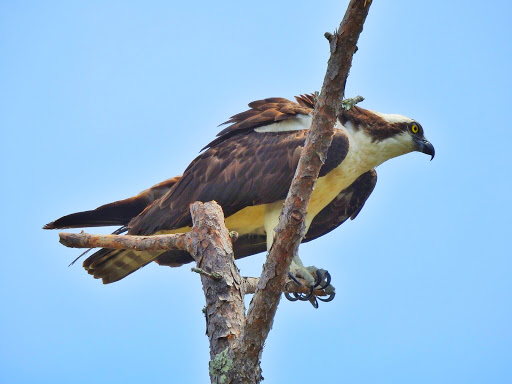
(414, 128)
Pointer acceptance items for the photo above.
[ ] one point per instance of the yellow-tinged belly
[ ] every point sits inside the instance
(326, 189)
(248, 220)
(252, 219)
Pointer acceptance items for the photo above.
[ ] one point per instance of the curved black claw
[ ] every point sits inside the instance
(304, 296)
(314, 302)
(299, 296)
(290, 297)
(320, 277)
(329, 298)
(290, 275)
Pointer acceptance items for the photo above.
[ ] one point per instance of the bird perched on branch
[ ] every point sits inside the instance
(248, 170)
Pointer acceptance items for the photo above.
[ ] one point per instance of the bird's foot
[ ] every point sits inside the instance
(317, 280)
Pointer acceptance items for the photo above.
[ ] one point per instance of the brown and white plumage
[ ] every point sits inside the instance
(248, 169)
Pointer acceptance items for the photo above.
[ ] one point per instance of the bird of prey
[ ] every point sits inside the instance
(248, 170)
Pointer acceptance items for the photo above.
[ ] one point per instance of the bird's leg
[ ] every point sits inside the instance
(297, 269)
(314, 277)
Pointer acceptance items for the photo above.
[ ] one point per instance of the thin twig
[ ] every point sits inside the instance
(211, 275)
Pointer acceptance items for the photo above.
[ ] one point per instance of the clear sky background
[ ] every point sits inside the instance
(100, 100)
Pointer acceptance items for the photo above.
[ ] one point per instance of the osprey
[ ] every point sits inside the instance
(248, 170)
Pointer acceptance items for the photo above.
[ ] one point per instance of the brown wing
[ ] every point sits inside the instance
(346, 205)
(116, 213)
(248, 169)
(242, 168)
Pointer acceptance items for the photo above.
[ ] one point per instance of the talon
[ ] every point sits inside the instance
(329, 298)
(314, 302)
(315, 279)
(294, 296)
(320, 279)
(289, 297)
(294, 278)
(303, 296)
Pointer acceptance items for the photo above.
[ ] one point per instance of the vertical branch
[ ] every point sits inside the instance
(210, 246)
(291, 228)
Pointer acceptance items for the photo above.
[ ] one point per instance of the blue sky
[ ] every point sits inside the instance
(99, 100)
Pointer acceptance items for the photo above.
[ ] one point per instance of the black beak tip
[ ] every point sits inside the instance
(428, 148)
(432, 153)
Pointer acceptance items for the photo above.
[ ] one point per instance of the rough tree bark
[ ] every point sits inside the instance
(291, 228)
(236, 340)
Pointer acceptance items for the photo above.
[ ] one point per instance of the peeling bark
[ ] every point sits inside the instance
(291, 228)
(210, 245)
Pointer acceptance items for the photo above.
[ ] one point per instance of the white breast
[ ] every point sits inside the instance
(363, 155)
(366, 153)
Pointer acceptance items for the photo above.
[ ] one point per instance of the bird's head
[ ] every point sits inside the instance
(390, 135)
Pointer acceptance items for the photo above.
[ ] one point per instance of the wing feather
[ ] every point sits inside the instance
(231, 174)
(346, 205)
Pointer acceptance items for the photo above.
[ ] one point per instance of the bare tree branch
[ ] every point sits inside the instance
(177, 241)
(291, 228)
(210, 245)
(138, 243)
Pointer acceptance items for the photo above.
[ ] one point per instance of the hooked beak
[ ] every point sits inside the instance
(425, 146)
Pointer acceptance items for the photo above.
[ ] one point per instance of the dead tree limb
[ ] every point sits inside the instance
(138, 243)
(291, 228)
(209, 244)
(166, 242)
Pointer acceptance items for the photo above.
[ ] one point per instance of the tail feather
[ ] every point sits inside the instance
(116, 213)
(108, 264)
(112, 265)
(100, 217)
